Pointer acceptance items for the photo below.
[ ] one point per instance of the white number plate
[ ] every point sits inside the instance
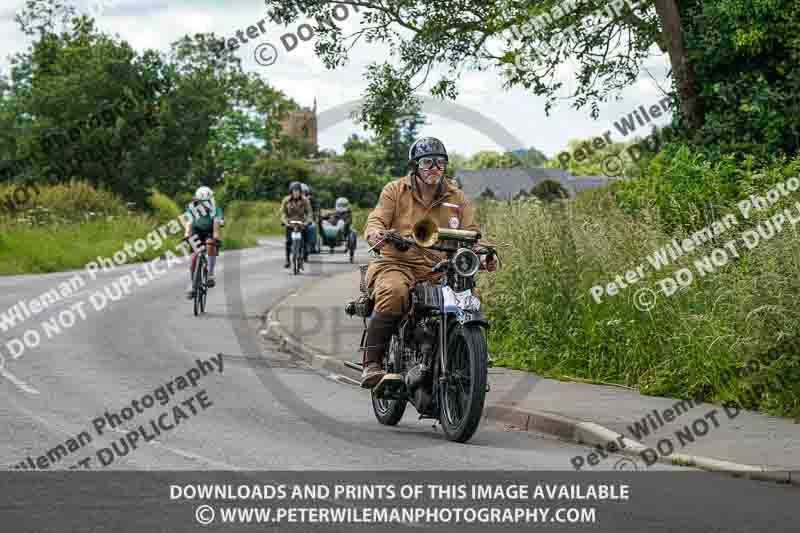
(296, 235)
(460, 300)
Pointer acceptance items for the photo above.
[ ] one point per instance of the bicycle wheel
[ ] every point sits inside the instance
(204, 287)
(197, 284)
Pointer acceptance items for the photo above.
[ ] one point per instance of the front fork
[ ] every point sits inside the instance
(442, 343)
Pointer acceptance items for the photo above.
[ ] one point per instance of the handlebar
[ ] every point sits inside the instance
(218, 241)
(404, 243)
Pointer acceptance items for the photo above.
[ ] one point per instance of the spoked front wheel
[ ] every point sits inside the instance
(296, 257)
(463, 395)
(351, 244)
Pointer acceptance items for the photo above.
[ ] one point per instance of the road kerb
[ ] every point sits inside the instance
(574, 430)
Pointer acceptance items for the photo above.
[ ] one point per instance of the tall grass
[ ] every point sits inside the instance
(246, 221)
(66, 226)
(163, 206)
(28, 249)
(688, 345)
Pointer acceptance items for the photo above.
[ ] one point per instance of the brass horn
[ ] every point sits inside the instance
(427, 232)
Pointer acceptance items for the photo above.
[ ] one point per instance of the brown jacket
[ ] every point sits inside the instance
(299, 209)
(400, 207)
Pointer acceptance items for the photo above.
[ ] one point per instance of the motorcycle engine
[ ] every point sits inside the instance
(419, 360)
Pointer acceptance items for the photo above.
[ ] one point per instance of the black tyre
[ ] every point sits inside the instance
(197, 284)
(204, 288)
(296, 257)
(463, 396)
(389, 412)
(351, 244)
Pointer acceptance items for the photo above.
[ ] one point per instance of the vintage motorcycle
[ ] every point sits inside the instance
(437, 360)
(335, 230)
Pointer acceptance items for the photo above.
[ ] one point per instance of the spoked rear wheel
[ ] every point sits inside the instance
(204, 288)
(198, 285)
(389, 412)
(463, 396)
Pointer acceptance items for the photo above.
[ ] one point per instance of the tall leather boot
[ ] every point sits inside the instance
(379, 333)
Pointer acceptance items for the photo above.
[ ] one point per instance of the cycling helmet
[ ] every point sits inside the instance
(295, 185)
(305, 188)
(204, 194)
(425, 147)
(342, 205)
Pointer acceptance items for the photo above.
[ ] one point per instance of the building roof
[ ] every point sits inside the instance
(505, 183)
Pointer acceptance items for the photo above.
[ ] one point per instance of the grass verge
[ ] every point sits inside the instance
(695, 343)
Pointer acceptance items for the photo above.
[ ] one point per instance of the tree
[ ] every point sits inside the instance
(533, 39)
(490, 159)
(531, 157)
(397, 140)
(734, 64)
(88, 106)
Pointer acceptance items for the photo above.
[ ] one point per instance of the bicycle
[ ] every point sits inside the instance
(200, 278)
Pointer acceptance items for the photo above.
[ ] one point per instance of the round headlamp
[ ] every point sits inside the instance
(466, 262)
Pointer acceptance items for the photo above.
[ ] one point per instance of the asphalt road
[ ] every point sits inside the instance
(269, 408)
(266, 409)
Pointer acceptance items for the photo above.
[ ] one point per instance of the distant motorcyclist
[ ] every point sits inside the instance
(308, 192)
(341, 219)
(294, 207)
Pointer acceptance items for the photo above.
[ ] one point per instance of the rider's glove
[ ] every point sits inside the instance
(375, 239)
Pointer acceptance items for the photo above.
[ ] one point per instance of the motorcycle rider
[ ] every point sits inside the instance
(308, 192)
(423, 193)
(206, 228)
(294, 207)
(344, 215)
(341, 219)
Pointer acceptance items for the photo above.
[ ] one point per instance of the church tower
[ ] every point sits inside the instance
(302, 125)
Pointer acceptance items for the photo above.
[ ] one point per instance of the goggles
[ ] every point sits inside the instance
(426, 163)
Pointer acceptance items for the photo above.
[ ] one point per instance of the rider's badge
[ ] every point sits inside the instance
(454, 222)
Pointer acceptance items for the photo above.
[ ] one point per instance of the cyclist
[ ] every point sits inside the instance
(294, 207)
(204, 220)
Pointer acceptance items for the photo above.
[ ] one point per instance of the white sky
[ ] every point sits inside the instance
(302, 76)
